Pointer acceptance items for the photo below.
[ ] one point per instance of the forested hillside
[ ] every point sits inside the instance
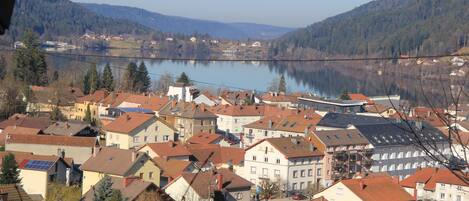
(187, 26)
(386, 28)
(51, 18)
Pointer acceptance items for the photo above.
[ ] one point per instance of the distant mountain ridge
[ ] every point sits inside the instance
(384, 27)
(187, 26)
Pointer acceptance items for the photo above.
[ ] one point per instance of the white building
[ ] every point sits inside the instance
(437, 184)
(193, 39)
(182, 92)
(207, 98)
(256, 44)
(292, 162)
(232, 118)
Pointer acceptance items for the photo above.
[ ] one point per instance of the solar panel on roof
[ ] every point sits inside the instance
(39, 165)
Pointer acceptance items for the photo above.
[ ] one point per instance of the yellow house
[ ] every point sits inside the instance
(46, 99)
(118, 163)
(132, 130)
(93, 100)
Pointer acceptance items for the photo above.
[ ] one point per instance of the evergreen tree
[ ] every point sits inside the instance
(143, 80)
(104, 190)
(31, 66)
(10, 172)
(183, 78)
(116, 196)
(57, 115)
(345, 95)
(108, 78)
(282, 85)
(130, 77)
(56, 76)
(86, 84)
(88, 117)
(3, 67)
(93, 78)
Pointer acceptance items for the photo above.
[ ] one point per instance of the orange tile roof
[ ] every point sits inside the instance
(154, 103)
(171, 168)
(115, 99)
(431, 176)
(12, 130)
(297, 123)
(169, 149)
(96, 97)
(238, 110)
(204, 138)
(26, 121)
(52, 140)
(217, 153)
(275, 97)
(128, 122)
(379, 188)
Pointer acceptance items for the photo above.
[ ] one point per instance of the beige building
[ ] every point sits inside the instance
(232, 118)
(189, 118)
(437, 184)
(118, 163)
(292, 162)
(79, 149)
(206, 186)
(371, 188)
(167, 150)
(132, 130)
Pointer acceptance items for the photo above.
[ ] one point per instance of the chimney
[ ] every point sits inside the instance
(96, 151)
(128, 117)
(362, 184)
(134, 156)
(220, 181)
(128, 180)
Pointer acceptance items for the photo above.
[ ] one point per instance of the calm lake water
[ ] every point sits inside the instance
(323, 79)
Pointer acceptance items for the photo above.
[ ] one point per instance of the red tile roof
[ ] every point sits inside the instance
(218, 154)
(297, 123)
(96, 97)
(26, 121)
(169, 149)
(52, 140)
(128, 122)
(431, 176)
(204, 138)
(275, 97)
(154, 103)
(379, 188)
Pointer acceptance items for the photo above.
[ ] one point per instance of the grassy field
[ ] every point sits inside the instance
(122, 44)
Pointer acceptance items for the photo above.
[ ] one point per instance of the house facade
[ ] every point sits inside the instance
(292, 162)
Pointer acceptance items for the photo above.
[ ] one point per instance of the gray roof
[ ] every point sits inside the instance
(400, 134)
(340, 120)
(66, 128)
(341, 137)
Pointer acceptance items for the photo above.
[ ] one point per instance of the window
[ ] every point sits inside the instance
(165, 138)
(254, 158)
(442, 186)
(415, 165)
(442, 196)
(310, 172)
(156, 138)
(265, 133)
(303, 173)
(265, 172)
(392, 156)
(156, 128)
(399, 166)
(384, 168)
(408, 154)
(384, 156)
(278, 161)
(141, 175)
(424, 164)
(150, 175)
(266, 150)
(239, 196)
(294, 186)
(295, 174)
(302, 185)
(392, 167)
(145, 138)
(458, 198)
(277, 173)
(416, 153)
(459, 188)
(318, 172)
(253, 170)
(407, 166)
(236, 121)
(400, 155)
(266, 159)
(136, 139)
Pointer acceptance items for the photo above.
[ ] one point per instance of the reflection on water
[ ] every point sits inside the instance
(320, 78)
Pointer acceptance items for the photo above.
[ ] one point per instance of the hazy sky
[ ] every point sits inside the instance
(290, 13)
